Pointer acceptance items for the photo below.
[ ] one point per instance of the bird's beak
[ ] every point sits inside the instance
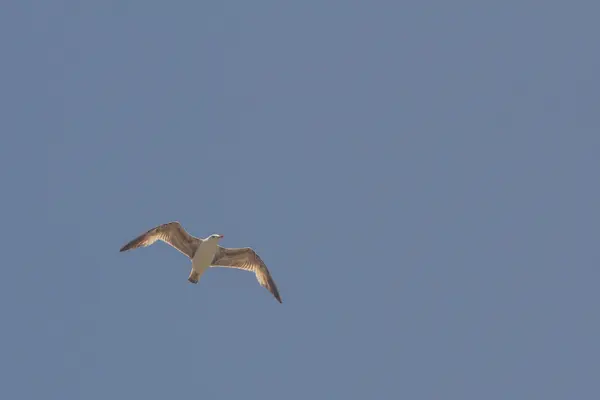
(220, 236)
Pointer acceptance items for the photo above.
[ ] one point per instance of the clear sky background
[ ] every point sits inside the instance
(420, 177)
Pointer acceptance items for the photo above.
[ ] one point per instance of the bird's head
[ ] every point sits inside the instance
(215, 236)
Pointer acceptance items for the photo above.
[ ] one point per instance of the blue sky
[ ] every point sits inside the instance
(421, 179)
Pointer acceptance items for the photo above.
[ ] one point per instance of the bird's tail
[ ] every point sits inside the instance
(194, 276)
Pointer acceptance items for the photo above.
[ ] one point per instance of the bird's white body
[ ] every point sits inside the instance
(204, 256)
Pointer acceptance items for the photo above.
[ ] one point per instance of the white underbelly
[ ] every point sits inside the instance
(204, 256)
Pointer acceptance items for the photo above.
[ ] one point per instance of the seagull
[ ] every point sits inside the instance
(206, 253)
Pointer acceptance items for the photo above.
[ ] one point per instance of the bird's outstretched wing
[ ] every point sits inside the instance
(246, 259)
(171, 233)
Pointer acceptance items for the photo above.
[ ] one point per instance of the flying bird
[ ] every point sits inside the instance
(205, 253)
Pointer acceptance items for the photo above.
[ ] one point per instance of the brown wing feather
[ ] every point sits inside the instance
(171, 233)
(247, 259)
